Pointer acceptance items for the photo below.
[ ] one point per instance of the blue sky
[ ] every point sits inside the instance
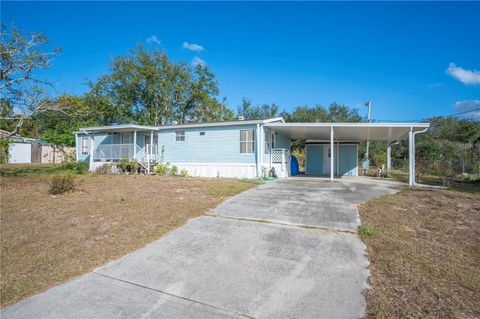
(412, 60)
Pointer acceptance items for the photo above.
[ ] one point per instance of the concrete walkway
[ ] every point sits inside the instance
(285, 249)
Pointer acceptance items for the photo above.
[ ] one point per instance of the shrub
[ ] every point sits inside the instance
(174, 170)
(61, 184)
(106, 168)
(128, 165)
(184, 173)
(162, 169)
(78, 167)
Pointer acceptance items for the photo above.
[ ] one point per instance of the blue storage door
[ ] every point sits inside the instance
(314, 159)
(347, 160)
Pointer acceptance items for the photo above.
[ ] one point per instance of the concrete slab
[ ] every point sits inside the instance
(255, 269)
(95, 296)
(307, 201)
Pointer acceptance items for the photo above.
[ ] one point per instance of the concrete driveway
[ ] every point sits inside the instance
(285, 249)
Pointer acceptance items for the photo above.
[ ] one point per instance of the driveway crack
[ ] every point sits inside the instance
(176, 296)
(271, 222)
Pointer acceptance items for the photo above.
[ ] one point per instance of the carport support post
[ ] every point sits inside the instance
(411, 158)
(389, 158)
(331, 153)
(92, 149)
(135, 144)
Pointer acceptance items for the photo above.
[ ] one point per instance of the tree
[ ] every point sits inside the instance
(23, 93)
(334, 113)
(249, 111)
(146, 87)
(58, 128)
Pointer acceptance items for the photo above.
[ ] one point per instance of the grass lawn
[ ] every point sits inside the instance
(424, 252)
(47, 240)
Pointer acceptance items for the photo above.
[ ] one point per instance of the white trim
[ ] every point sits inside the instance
(225, 170)
(332, 173)
(303, 125)
(118, 127)
(76, 147)
(226, 123)
(215, 164)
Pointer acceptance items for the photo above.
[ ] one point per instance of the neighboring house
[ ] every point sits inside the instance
(29, 150)
(241, 148)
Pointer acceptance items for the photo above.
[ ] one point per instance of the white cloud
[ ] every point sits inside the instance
(467, 77)
(468, 105)
(153, 40)
(192, 46)
(197, 61)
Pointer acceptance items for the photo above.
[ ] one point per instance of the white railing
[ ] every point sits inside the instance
(117, 152)
(151, 153)
(280, 156)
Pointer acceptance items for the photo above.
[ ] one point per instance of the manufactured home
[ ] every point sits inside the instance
(242, 148)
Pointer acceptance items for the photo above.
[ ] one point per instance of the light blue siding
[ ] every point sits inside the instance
(282, 141)
(218, 145)
(78, 145)
(314, 159)
(347, 157)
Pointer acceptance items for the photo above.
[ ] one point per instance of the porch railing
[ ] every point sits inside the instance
(280, 156)
(117, 152)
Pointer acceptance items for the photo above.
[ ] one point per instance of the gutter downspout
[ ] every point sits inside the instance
(415, 184)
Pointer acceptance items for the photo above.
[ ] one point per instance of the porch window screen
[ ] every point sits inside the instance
(85, 145)
(126, 138)
(247, 141)
(179, 136)
(155, 139)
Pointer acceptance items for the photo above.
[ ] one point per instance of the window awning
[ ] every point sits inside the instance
(352, 132)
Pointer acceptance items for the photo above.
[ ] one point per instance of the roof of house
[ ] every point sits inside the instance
(131, 127)
(309, 131)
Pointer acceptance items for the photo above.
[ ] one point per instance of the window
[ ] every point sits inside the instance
(179, 136)
(247, 141)
(85, 145)
(269, 142)
(202, 133)
(126, 138)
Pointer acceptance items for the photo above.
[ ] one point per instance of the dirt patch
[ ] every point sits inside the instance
(424, 253)
(47, 239)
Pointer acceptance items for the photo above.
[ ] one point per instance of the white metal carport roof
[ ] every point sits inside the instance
(348, 131)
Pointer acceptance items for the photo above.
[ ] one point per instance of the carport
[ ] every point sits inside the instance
(337, 133)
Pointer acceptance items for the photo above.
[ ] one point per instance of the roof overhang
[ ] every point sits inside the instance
(222, 123)
(348, 131)
(118, 128)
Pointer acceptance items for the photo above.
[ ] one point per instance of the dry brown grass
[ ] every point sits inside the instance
(424, 254)
(46, 239)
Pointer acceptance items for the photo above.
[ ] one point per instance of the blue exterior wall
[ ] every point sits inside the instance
(220, 144)
(78, 146)
(282, 141)
(348, 160)
(314, 159)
